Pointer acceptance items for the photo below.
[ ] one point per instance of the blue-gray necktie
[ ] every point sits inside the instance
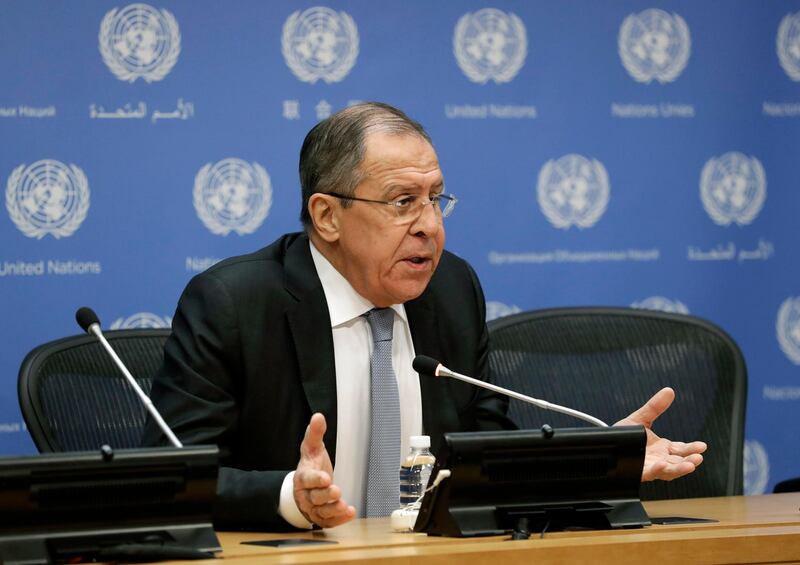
(383, 482)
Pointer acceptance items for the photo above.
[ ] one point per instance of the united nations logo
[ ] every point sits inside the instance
(141, 320)
(490, 44)
(496, 310)
(661, 304)
(320, 44)
(48, 197)
(756, 468)
(733, 188)
(654, 45)
(232, 195)
(139, 41)
(573, 191)
(788, 328)
(788, 45)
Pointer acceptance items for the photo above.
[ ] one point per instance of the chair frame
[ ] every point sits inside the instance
(27, 382)
(735, 479)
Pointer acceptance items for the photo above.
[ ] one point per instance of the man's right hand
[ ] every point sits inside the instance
(316, 496)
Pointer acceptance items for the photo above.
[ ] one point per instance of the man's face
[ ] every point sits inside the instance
(388, 261)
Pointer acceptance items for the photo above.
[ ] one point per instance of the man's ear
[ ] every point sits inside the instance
(324, 214)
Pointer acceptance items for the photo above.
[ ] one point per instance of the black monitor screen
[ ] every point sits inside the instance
(559, 478)
(51, 500)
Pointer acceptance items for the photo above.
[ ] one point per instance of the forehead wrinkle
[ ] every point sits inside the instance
(392, 161)
(389, 164)
(423, 155)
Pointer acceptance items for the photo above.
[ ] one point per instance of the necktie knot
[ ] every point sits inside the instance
(381, 322)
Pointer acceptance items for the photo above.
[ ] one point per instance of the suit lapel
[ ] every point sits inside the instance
(310, 325)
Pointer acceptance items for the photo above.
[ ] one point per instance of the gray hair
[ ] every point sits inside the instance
(333, 150)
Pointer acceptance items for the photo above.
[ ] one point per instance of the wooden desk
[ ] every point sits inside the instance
(754, 529)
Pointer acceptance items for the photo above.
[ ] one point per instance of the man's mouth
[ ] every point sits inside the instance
(417, 261)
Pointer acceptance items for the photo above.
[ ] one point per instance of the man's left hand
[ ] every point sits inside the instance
(664, 459)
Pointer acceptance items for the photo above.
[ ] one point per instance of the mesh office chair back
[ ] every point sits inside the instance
(73, 397)
(609, 361)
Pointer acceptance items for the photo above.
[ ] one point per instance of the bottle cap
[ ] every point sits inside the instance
(421, 442)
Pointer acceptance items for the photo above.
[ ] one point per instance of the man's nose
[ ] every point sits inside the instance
(429, 221)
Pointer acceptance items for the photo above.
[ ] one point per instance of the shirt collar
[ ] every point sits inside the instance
(344, 303)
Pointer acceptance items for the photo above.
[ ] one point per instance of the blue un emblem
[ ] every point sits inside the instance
(661, 304)
(232, 195)
(139, 41)
(490, 45)
(141, 320)
(320, 44)
(733, 188)
(573, 191)
(787, 328)
(756, 468)
(48, 197)
(654, 45)
(788, 45)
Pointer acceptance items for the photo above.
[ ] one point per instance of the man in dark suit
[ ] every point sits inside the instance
(270, 352)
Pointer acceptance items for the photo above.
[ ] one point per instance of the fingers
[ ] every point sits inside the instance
(323, 493)
(653, 471)
(654, 407)
(328, 515)
(319, 500)
(672, 466)
(695, 459)
(333, 515)
(666, 471)
(306, 479)
(312, 441)
(686, 449)
(333, 512)
(320, 496)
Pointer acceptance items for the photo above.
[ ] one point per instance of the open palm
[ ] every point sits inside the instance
(664, 459)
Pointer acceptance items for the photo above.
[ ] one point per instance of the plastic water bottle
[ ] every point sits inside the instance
(415, 470)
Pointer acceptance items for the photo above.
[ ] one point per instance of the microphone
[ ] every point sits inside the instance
(90, 323)
(428, 366)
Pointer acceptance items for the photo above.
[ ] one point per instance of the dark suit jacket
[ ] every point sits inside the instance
(251, 358)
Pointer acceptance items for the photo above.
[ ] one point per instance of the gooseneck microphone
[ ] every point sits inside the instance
(428, 366)
(88, 320)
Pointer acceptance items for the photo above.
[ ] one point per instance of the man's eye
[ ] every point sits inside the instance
(405, 202)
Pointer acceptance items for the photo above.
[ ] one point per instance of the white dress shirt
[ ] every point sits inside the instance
(352, 347)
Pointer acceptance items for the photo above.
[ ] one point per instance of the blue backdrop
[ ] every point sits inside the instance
(603, 152)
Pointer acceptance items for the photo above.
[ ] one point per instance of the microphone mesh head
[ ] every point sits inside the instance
(425, 365)
(85, 317)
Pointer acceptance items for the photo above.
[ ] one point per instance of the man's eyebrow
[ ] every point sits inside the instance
(398, 186)
(409, 185)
